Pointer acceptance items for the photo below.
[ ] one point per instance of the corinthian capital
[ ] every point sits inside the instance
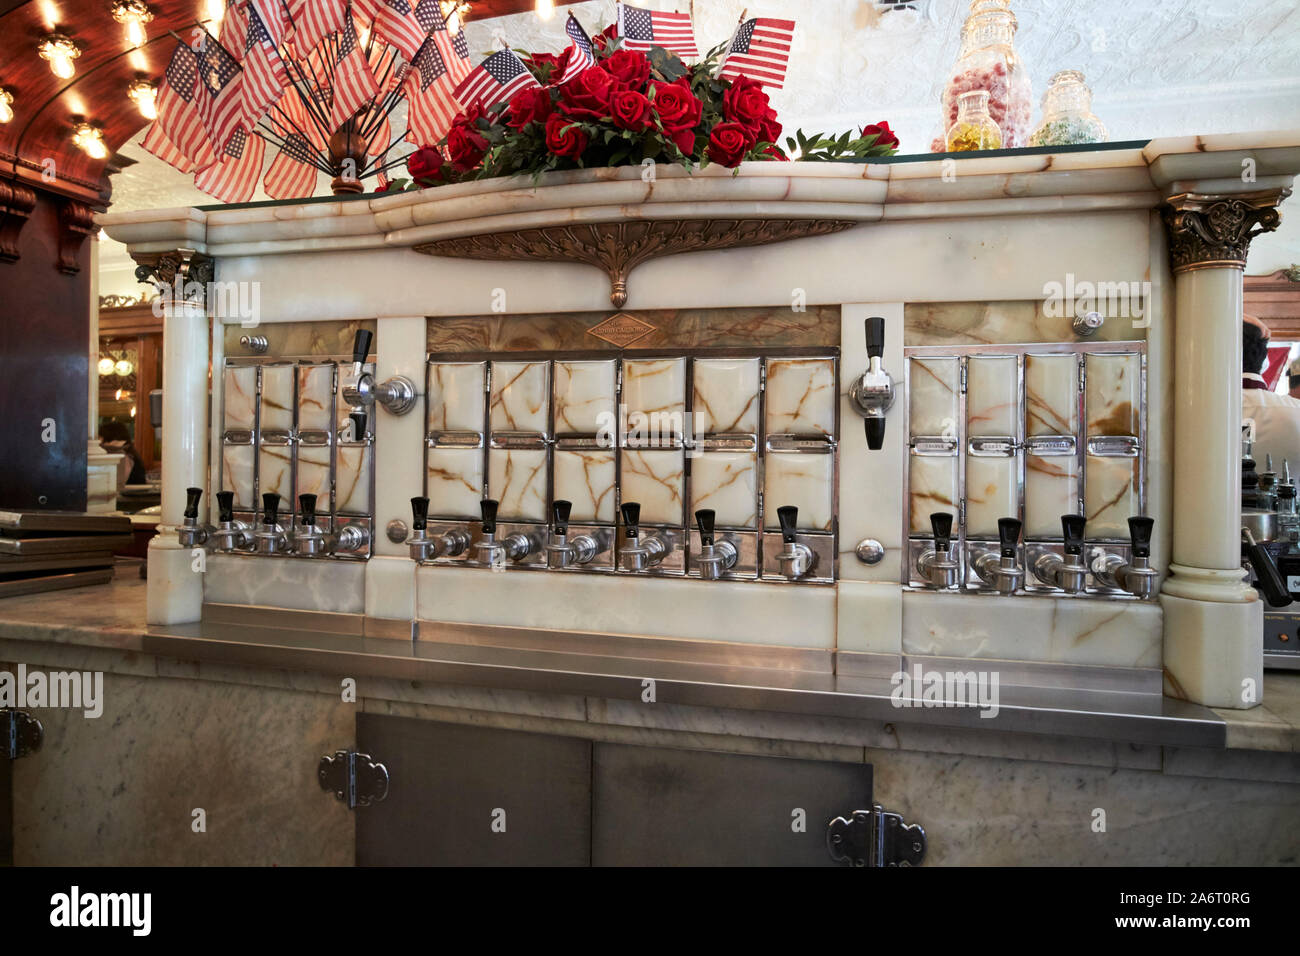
(182, 274)
(1214, 232)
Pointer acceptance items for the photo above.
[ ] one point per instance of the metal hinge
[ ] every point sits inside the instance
(1083, 374)
(353, 778)
(21, 734)
(964, 365)
(875, 837)
(762, 376)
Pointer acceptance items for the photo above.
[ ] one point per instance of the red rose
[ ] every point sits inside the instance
(529, 105)
(746, 103)
(425, 165)
(728, 144)
(885, 135)
(631, 110)
(547, 67)
(586, 96)
(777, 153)
(769, 130)
(466, 143)
(602, 39)
(629, 69)
(569, 143)
(679, 112)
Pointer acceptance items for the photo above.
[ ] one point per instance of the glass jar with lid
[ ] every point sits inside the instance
(988, 61)
(974, 128)
(1068, 118)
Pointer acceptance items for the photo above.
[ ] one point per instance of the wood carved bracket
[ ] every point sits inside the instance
(16, 205)
(619, 247)
(76, 222)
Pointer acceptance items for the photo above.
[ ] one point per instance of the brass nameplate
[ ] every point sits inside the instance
(621, 329)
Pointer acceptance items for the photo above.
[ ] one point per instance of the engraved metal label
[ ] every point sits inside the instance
(816, 444)
(455, 440)
(934, 445)
(238, 436)
(992, 447)
(727, 443)
(1046, 445)
(312, 437)
(1114, 446)
(518, 440)
(621, 329)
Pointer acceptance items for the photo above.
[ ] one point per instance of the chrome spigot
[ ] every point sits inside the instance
(192, 533)
(360, 389)
(936, 565)
(308, 540)
(1069, 574)
(872, 393)
(492, 553)
(716, 558)
(424, 547)
(269, 537)
(640, 553)
(560, 551)
(1001, 569)
(229, 534)
(795, 558)
(1136, 576)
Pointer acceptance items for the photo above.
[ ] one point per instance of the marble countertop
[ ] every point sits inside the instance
(112, 616)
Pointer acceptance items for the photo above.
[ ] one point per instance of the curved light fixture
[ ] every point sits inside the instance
(145, 96)
(90, 140)
(133, 14)
(214, 9)
(546, 9)
(453, 12)
(60, 50)
(6, 105)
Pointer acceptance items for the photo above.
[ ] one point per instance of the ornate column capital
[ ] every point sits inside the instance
(182, 275)
(1214, 231)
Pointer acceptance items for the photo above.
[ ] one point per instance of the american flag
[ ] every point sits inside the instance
(235, 175)
(179, 120)
(760, 50)
(431, 103)
(642, 29)
(313, 20)
(292, 175)
(219, 91)
(454, 49)
(397, 23)
(354, 84)
(156, 142)
(234, 28)
(264, 73)
(582, 56)
(495, 80)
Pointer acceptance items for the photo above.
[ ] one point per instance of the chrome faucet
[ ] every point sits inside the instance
(795, 558)
(308, 540)
(229, 534)
(269, 537)
(492, 553)
(716, 558)
(872, 393)
(640, 553)
(1001, 569)
(192, 533)
(360, 389)
(560, 551)
(1136, 576)
(1069, 574)
(936, 565)
(424, 548)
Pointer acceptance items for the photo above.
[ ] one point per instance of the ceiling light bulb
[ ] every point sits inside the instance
(134, 15)
(214, 9)
(90, 140)
(60, 51)
(6, 107)
(106, 366)
(145, 96)
(546, 9)
(123, 369)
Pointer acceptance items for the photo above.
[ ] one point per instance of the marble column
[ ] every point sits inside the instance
(101, 466)
(175, 590)
(1213, 652)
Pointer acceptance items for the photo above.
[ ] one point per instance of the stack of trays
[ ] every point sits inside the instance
(50, 550)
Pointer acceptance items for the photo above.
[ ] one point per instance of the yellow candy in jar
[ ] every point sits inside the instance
(974, 128)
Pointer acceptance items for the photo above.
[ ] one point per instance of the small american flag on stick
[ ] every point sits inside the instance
(354, 84)
(180, 121)
(235, 175)
(642, 29)
(495, 80)
(760, 50)
(582, 55)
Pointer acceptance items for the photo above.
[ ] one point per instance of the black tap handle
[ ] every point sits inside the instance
(941, 528)
(631, 518)
(225, 506)
(1139, 531)
(788, 515)
(875, 427)
(560, 515)
(704, 518)
(1072, 529)
(1267, 575)
(270, 507)
(192, 496)
(307, 510)
(419, 514)
(876, 337)
(361, 345)
(1008, 536)
(489, 509)
(358, 425)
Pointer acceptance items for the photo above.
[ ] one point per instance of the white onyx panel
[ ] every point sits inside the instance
(726, 396)
(455, 397)
(517, 480)
(584, 397)
(932, 486)
(455, 482)
(1110, 495)
(237, 474)
(314, 474)
(277, 398)
(1112, 394)
(991, 493)
(727, 483)
(315, 397)
(992, 396)
(352, 482)
(801, 397)
(1051, 490)
(933, 387)
(655, 479)
(586, 479)
(240, 397)
(654, 394)
(1051, 395)
(802, 480)
(275, 473)
(520, 396)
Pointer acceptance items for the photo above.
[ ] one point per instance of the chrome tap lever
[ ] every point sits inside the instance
(1001, 569)
(269, 538)
(1069, 574)
(493, 553)
(192, 533)
(716, 557)
(872, 393)
(229, 535)
(360, 389)
(795, 558)
(419, 545)
(936, 565)
(308, 540)
(1136, 576)
(560, 551)
(639, 553)
(358, 420)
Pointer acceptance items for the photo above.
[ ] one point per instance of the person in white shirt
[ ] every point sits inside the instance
(1275, 417)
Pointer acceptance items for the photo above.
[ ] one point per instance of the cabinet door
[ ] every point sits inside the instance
(474, 796)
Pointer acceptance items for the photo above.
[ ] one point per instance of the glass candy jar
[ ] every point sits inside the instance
(1067, 113)
(974, 128)
(988, 61)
